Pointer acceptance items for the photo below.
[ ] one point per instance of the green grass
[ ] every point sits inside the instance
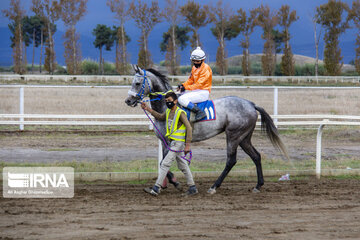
(138, 182)
(150, 165)
(344, 177)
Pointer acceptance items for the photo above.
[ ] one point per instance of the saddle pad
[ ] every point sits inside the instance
(208, 107)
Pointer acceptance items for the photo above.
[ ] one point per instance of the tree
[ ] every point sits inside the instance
(317, 41)
(172, 15)
(197, 17)
(122, 67)
(166, 46)
(222, 17)
(33, 28)
(103, 37)
(146, 17)
(16, 14)
(355, 16)
(332, 16)
(286, 18)
(71, 13)
(267, 20)
(278, 38)
(245, 25)
(181, 37)
(121, 8)
(43, 36)
(49, 11)
(26, 38)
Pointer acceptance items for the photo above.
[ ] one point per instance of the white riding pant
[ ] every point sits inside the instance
(194, 96)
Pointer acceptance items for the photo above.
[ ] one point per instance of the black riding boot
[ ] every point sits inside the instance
(199, 114)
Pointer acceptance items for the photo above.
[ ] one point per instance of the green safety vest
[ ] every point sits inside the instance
(172, 132)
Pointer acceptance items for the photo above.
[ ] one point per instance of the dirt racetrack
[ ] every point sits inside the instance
(300, 209)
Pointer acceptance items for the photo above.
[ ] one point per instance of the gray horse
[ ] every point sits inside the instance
(234, 115)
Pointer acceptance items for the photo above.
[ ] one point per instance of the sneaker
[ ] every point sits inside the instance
(155, 190)
(191, 191)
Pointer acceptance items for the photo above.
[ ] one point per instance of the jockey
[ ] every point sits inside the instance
(198, 84)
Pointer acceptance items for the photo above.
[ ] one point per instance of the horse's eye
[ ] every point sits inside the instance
(137, 84)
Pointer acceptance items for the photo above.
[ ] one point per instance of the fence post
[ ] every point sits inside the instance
(276, 98)
(160, 155)
(21, 107)
(318, 151)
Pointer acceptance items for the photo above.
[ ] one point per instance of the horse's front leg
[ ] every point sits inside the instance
(231, 161)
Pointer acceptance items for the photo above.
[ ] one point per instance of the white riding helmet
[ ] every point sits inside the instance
(197, 54)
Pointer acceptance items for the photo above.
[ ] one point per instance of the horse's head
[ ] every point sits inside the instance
(140, 87)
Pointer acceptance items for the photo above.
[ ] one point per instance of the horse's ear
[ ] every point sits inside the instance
(136, 68)
(139, 70)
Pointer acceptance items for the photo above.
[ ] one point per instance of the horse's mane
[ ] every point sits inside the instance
(162, 77)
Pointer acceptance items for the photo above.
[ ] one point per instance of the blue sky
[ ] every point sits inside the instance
(302, 30)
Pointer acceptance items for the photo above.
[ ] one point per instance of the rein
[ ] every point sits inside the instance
(165, 143)
(160, 95)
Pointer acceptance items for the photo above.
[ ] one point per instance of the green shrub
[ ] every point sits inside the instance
(185, 70)
(256, 69)
(350, 73)
(5, 69)
(309, 70)
(234, 70)
(109, 68)
(278, 70)
(89, 67)
(60, 70)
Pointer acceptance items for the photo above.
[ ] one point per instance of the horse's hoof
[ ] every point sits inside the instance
(255, 190)
(211, 191)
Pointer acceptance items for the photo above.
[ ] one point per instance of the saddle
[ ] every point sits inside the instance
(208, 107)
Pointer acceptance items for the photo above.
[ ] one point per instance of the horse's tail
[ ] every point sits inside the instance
(268, 126)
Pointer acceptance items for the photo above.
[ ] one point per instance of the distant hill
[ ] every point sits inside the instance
(299, 60)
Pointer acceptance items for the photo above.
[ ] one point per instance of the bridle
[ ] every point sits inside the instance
(141, 93)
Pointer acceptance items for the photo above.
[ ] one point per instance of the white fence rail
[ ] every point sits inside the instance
(275, 95)
(115, 120)
(8, 78)
(73, 120)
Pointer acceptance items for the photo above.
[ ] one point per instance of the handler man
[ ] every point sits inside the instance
(198, 84)
(179, 132)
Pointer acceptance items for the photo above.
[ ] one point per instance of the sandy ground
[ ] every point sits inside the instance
(306, 209)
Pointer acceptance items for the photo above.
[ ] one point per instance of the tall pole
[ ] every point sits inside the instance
(276, 99)
(21, 107)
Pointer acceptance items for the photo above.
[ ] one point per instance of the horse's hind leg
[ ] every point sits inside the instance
(256, 157)
(231, 161)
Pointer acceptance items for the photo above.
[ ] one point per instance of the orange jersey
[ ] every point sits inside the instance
(200, 78)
